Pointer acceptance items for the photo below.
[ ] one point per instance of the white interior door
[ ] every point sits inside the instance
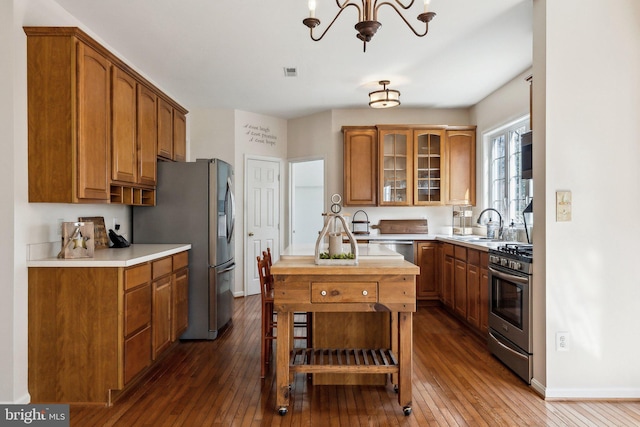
(263, 216)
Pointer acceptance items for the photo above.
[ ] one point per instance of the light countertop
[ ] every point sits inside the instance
(365, 251)
(122, 257)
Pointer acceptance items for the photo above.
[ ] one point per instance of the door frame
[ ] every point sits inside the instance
(245, 222)
(290, 194)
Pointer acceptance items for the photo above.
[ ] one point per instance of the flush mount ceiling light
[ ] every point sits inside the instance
(368, 17)
(385, 98)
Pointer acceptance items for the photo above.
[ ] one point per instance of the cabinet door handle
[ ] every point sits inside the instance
(365, 293)
(251, 234)
(323, 293)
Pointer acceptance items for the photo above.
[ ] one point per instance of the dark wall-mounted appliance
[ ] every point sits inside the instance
(527, 155)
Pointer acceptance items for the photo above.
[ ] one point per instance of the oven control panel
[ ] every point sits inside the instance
(511, 264)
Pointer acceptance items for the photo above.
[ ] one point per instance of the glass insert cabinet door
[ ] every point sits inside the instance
(428, 149)
(396, 167)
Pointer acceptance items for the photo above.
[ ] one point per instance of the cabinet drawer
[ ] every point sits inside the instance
(137, 353)
(448, 249)
(137, 309)
(162, 267)
(344, 292)
(180, 260)
(136, 276)
(473, 256)
(460, 253)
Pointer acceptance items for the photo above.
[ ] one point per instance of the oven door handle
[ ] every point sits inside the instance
(510, 350)
(508, 277)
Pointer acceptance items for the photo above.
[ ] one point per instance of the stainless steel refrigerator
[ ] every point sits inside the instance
(195, 204)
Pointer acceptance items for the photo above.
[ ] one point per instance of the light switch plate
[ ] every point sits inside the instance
(563, 205)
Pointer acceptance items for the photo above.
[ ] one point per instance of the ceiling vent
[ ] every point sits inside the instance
(290, 72)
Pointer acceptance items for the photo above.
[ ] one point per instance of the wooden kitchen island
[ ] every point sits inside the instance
(386, 287)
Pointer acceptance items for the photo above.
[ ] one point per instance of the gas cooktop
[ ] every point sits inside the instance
(518, 249)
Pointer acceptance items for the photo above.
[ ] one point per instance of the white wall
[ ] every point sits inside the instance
(592, 92)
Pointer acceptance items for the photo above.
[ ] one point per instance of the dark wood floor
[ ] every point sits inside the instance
(456, 382)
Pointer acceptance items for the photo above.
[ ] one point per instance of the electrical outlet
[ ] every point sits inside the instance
(115, 222)
(562, 341)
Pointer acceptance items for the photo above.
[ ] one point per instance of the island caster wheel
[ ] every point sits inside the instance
(283, 411)
(406, 410)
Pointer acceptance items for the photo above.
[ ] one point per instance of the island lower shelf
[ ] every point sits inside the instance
(343, 361)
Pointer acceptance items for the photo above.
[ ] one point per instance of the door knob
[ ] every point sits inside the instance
(251, 234)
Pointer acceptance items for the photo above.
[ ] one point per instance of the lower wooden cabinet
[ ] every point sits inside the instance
(427, 281)
(464, 279)
(94, 330)
(180, 320)
(161, 316)
(447, 276)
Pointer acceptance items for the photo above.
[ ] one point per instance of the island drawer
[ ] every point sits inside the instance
(344, 292)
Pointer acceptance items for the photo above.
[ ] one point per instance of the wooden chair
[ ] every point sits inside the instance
(301, 324)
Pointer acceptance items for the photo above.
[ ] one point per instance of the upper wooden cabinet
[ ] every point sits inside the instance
(147, 136)
(69, 121)
(396, 166)
(124, 145)
(461, 164)
(172, 139)
(179, 136)
(360, 166)
(414, 165)
(428, 157)
(93, 125)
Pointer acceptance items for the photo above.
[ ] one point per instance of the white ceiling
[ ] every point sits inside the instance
(232, 53)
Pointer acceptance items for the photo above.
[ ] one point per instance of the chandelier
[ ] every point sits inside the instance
(385, 98)
(368, 17)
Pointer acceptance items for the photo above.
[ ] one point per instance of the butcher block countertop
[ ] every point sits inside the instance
(304, 266)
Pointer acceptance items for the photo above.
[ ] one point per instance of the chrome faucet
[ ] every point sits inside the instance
(499, 217)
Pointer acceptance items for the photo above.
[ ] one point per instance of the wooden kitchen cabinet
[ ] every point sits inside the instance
(473, 288)
(461, 166)
(68, 141)
(395, 146)
(92, 122)
(161, 305)
(147, 136)
(483, 311)
(180, 320)
(429, 170)
(137, 321)
(460, 288)
(360, 166)
(92, 330)
(427, 280)
(172, 139)
(415, 165)
(124, 148)
(465, 285)
(165, 130)
(179, 136)
(448, 271)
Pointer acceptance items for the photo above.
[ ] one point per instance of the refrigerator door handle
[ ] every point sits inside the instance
(230, 268)
(232, 213)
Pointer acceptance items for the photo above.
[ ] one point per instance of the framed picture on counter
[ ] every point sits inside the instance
(99, 232)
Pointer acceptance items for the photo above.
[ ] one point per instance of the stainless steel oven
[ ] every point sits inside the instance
(510, 337)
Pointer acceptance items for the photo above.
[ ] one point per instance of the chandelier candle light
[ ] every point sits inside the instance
(368, 17)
